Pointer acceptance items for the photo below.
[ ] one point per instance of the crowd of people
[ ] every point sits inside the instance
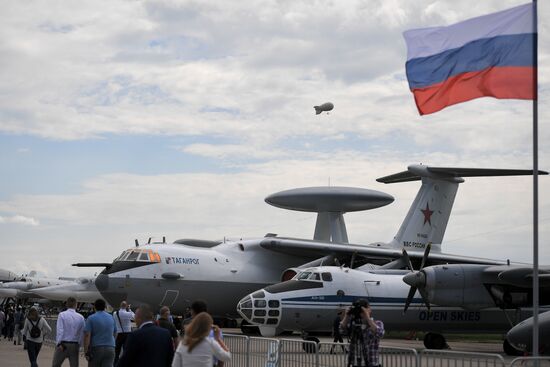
(108, 340)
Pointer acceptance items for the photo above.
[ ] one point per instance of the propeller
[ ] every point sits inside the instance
(416, 279)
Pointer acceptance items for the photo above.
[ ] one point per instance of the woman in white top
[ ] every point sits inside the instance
(34, 342)
(197, 349)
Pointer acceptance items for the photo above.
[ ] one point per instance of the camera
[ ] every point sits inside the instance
(357, 308)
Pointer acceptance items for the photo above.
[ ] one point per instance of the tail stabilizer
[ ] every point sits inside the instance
(430, 211)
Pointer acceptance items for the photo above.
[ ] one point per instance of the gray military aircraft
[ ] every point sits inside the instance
(223, 272)
(521, 335)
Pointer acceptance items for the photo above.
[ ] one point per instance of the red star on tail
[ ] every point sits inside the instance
(427, 214)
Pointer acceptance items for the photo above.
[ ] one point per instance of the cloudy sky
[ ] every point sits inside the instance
(130, 119)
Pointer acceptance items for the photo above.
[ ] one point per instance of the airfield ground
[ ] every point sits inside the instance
(15, 356)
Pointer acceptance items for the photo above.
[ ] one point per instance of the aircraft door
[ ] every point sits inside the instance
(170, 298)
(373, 289)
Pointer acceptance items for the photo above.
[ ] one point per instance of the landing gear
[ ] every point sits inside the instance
(510, 350)
(435, 341)
(249, 330)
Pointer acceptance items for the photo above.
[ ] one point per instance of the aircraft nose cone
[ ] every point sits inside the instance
(102, 282)
(416, 279)
(244, 308)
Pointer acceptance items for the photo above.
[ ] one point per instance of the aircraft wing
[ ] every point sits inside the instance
(520, 276)
(316, 249)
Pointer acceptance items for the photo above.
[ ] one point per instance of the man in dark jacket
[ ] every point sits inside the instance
(149, 345)
(165, 323)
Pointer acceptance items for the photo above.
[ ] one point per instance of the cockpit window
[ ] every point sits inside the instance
(139, 255)
(314, 276)
(133, 256)
(327, 277)
(304, 275)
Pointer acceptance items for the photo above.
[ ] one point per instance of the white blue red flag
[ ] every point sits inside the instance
(488, 56)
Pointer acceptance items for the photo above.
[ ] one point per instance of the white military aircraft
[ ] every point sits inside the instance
(82, 289)
(459, 298)
(24, 286)
(222, 273)
(7, 276)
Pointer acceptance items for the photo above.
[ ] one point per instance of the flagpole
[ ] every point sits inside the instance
(535, 191)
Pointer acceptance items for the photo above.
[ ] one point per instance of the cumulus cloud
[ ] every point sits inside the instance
(19, 219)
(247, 69)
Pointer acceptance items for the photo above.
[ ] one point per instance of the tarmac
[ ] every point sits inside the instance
(15, 356)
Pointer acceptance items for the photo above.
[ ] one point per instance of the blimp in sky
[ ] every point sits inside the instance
(325, 107)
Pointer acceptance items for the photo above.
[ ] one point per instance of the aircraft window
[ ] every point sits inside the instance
(259, 313)
(273, 312)
(246, 304)
(314, 276)
(327, 277)
(304, 275)
(259, 294)
(124, 255)
(247, 313)
(272, 321)
(133, 256)
(274, 304)
(144, 256)
(258, 320)
(260, 303)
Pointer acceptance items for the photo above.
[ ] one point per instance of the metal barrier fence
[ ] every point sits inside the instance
(332, 354)
(238, 345)
(440, 358)
(262, 352)
(395, 357)
(299, 353)
(531, 362)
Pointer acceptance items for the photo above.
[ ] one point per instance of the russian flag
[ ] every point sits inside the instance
(488, 56)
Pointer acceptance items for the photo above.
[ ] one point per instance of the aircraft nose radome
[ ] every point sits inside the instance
(102, 282)
(416, 279)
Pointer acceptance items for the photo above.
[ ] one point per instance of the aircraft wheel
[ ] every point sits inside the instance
(510, 350)
(435, 341)
(308, 347)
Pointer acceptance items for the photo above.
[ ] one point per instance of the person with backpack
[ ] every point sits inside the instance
(34, 329)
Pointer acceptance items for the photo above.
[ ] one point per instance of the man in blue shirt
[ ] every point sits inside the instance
(99, 337)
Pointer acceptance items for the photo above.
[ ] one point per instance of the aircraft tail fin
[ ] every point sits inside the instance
(429, 213)
(317, 109)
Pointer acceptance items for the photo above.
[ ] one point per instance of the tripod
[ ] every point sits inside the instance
(358, 356)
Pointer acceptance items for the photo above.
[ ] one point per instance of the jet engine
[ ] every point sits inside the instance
(289, 274)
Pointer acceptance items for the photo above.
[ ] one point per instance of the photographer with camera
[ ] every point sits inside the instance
(364, 334)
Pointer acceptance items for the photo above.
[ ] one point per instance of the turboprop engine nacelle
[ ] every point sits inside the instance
(289, 274)
(457, 285)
